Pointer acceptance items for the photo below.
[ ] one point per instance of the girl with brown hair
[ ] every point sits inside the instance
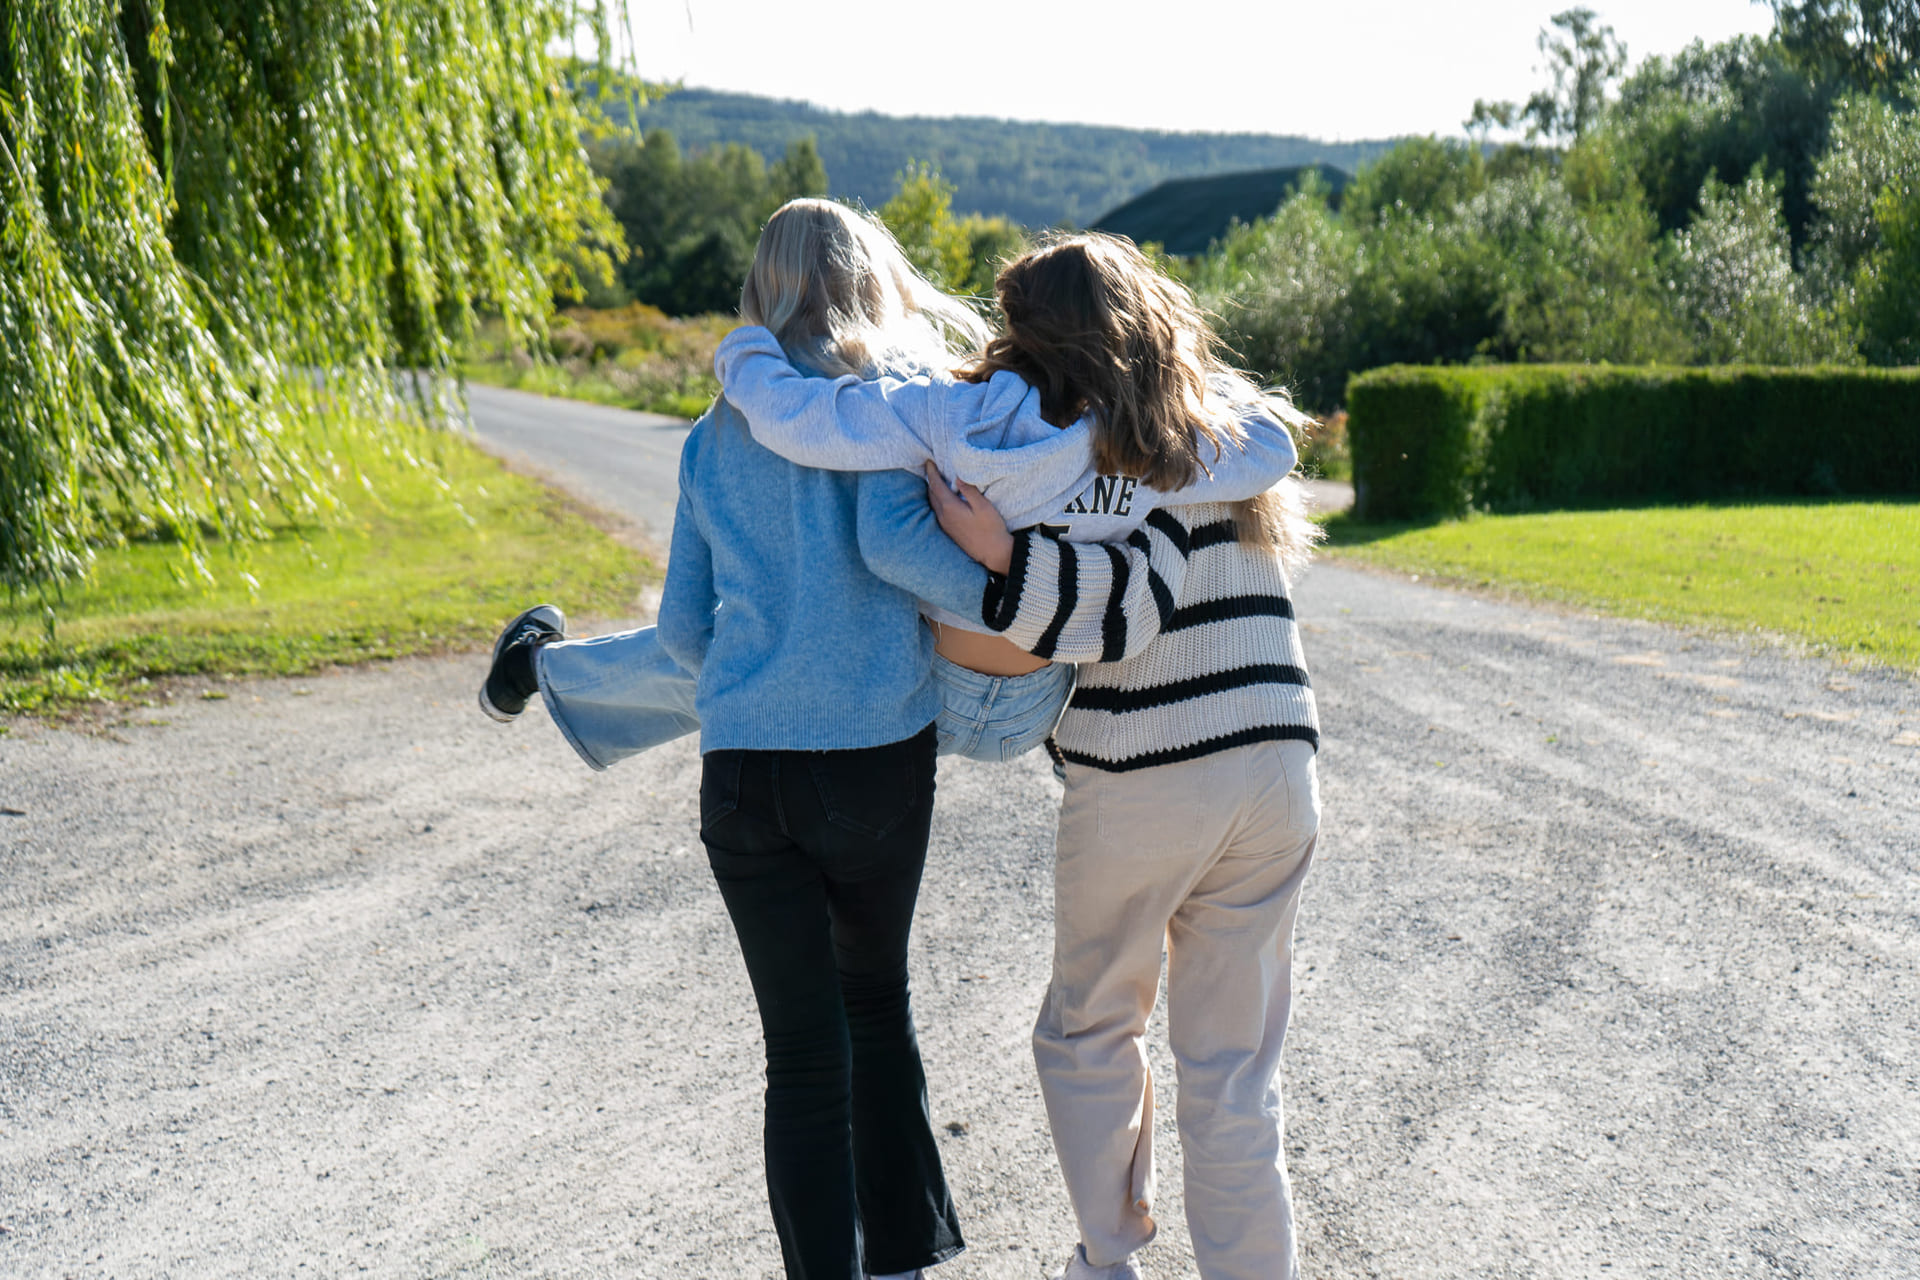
(1192, 805)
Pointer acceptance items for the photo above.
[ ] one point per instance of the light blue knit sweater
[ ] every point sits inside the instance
(791, 594)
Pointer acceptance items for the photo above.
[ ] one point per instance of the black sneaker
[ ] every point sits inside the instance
(510, 681)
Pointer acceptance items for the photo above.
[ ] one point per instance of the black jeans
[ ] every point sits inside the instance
(818, 855)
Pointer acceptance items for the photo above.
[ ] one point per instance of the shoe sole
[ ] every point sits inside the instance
(493, 712)
(546, 613)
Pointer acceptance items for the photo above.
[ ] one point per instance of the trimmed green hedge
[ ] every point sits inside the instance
(1435, 441)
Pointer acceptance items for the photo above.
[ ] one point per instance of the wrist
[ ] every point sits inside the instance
(999, 558)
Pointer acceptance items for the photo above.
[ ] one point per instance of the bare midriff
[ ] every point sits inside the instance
(989, 655)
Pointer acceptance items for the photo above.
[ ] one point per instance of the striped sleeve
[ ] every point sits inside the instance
(1090, 602)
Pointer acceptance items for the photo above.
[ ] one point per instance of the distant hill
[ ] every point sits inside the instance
(1036, 174)
(1185, 215)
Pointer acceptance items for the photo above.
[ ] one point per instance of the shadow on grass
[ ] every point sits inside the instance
(1344, 530)
(1347, 530)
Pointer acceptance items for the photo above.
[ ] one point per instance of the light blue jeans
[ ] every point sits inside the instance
(998, 718)
(613, 696)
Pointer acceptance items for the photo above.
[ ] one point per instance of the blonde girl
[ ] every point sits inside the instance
(790, 598)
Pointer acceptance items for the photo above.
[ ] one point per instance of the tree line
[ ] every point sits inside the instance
(221, 227)
(691, 220)
(1036, 174)
(1754, 202)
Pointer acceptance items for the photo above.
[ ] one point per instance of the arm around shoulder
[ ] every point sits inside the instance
(903, 544)
(839, 424)
(1262, 457)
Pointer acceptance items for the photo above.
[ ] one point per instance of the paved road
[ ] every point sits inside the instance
(1608, 968)
(623, 461)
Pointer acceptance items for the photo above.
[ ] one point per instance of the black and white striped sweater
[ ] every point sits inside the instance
(1187, 636)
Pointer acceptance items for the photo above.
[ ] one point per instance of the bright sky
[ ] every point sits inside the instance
(1341, 70)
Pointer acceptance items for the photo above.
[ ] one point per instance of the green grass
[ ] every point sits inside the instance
(1843, 577)
(415, 567)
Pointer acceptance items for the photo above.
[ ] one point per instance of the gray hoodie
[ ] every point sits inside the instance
(989, 434)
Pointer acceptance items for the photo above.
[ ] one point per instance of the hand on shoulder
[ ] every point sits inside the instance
(973, 523)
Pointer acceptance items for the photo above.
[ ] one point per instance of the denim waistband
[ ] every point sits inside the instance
(982, 685)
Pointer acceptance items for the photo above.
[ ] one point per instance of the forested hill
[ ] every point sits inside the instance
(1036, 174)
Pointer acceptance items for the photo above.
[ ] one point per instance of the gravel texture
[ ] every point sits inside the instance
(1607, 968)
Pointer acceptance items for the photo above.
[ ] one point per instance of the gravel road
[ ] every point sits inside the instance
(1608, 968)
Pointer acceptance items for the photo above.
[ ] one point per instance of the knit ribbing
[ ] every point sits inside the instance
(1187, 637)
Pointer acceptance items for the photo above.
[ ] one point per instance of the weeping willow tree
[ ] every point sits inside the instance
(226, 221)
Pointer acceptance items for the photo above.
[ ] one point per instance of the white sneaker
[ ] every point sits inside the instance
(1078, 1268)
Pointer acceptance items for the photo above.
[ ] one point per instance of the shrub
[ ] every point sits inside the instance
(1889, 289)
(1866, 255)
(1440, 441)
(1871, 144)
(1424, 177)
(1280, 287)
(1410, 432)
(1524, 266)
(1719, 110)
(1733, 270)
(633, 356)
(1326, 452)
(920, 215)
(991, 244)
(1686, 224)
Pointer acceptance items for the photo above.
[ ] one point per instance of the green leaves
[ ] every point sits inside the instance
(1281, 287)
(960, 255)
(1866, 251)
(226, 222)
(1874, 44)
(920, 215)
(1437, 260)
(1733, 272)
(1433, 442)
(691, 221)
(1889, 282)
(1725, 208)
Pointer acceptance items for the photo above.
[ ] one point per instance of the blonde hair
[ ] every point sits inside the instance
(835, 289)
(1102, 333)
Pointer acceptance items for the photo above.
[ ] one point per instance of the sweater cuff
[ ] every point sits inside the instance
(1000, 603)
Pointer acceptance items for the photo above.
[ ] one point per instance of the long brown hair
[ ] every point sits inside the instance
(1102, 333)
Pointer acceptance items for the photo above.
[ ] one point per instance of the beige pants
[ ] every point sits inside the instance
(1207, 856)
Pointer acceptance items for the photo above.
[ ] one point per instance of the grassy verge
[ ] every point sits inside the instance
(633, 357)
(1841, 576)
(431, 559)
